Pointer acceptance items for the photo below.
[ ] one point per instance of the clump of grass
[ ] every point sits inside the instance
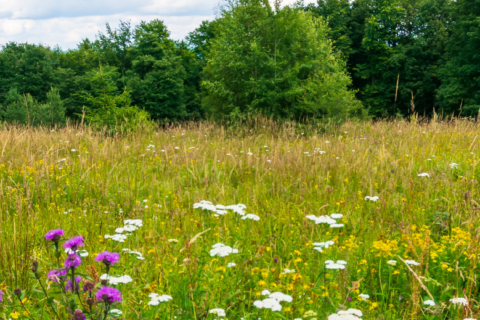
(88, 184)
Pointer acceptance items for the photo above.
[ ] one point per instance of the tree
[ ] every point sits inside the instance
(274, 61)
(28, 68)
(157, 75)
(460, 75)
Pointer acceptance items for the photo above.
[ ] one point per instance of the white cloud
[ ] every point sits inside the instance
(67, 22)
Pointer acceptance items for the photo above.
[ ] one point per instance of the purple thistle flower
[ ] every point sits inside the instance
(54, 235)
(74, 243)
(108, 258)
(54, 275)
(72, 261)
(275, 260)
(1, 295)
(69, 286)
(109, 295)
(78, 315)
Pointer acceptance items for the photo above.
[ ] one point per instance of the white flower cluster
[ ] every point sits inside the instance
(130, 225)
(374, 198)
(423, 175)
(251, 217)
(412, 262)
(138, 255)
(222, 250)
(220, 209)
(461, 301)
(155, 299)
(340, 264)
(330, 220)
(116, 280)
(219, 312)
(350, 314)
(273, 300)
(319, 246)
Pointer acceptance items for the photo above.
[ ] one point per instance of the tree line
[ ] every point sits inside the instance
(337, 58)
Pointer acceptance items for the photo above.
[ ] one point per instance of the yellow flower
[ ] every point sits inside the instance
(396, 272)
(262, 283)
(15, 315)
(151, 251)
(444, 266)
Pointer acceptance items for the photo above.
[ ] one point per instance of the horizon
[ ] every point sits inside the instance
(65, 24)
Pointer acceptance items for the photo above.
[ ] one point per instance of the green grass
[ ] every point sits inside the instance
(432, 220)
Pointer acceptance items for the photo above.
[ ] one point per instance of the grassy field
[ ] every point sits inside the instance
(418, 241)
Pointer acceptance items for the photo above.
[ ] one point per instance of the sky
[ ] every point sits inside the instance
(66, 22)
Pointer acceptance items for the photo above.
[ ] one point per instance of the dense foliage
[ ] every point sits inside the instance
(429, 47)
(399, 57)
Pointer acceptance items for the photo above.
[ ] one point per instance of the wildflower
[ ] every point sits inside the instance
(82, 253)
(252, 217)
(55, 275)
(78, 315)
(231, 264)
(69, 286)
(461, 301)
(222, 250)
(336, 225)
(325, 244)
(340, 264)
(89, 286)
(156, 299)
(321, 219)
(336, 215)
(115, 312)
(392, 262)
(412, 262)
(374, 198)
(108, 258)
(423, 175)
(133, 222)
(54, 235)
(116, 280)
(266, 292)
(429, 302)
(1, 295)
(287, 271)
(271, 304)
(350, 314)
(72, 261)
(73, 244)
(219, 312)
(109, 295)
(453, 165)
(278, 296)
(364, 296)
(117, 237)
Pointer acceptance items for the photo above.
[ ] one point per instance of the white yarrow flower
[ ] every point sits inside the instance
(461, 301)
(219, 312)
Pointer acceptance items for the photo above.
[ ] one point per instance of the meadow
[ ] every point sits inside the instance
(263, 221)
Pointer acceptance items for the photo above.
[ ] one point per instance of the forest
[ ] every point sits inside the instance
(333, 59)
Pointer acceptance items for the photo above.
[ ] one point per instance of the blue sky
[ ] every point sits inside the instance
(67, 22)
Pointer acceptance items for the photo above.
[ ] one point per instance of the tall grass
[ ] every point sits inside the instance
(77, 179)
